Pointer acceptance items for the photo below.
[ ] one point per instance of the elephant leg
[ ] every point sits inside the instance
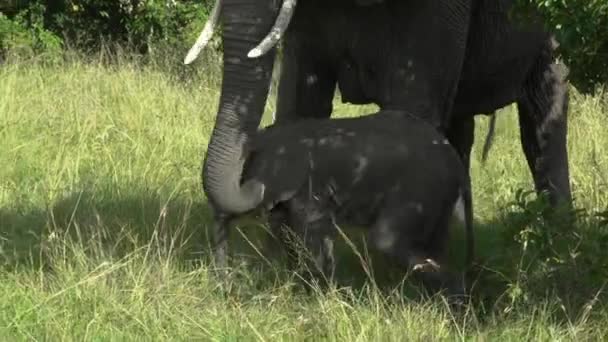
(307, 82)
(461, 135)
(543, 125)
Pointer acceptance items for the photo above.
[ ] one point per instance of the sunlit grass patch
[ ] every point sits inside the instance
(103, 227)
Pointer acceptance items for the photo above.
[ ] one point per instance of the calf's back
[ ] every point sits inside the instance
(360, 159)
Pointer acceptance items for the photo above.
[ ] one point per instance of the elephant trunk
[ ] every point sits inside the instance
(245, 86)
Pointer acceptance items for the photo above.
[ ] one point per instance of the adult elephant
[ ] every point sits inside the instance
(443, 60)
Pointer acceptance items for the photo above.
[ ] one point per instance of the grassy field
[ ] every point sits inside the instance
(103, 228)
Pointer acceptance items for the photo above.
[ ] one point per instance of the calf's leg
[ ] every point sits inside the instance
(416, 240)
(220, 240)
(278, 239)
(313, 227)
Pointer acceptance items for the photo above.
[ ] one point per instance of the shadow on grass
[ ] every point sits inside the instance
(513, 269)
(104, 223)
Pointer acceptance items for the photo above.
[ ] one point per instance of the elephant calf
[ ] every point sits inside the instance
(393, 173)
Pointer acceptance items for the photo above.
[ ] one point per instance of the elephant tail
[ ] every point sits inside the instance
(489, 137)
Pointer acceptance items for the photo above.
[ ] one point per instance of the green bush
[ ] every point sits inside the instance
(139, 25)
(561, 253)
(25, 34)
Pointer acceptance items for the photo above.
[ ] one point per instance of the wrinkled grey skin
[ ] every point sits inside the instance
(390, 172)
(444, 60)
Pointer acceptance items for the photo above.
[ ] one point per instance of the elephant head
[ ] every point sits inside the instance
(251, 28)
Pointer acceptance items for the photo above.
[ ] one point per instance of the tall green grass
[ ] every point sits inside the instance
(103, 227)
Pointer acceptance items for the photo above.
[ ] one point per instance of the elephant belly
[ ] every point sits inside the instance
(485, 92)
(391, 54)
(500, 55)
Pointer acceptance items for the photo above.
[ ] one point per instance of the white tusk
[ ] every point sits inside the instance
(206, 34)
(277, 31)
